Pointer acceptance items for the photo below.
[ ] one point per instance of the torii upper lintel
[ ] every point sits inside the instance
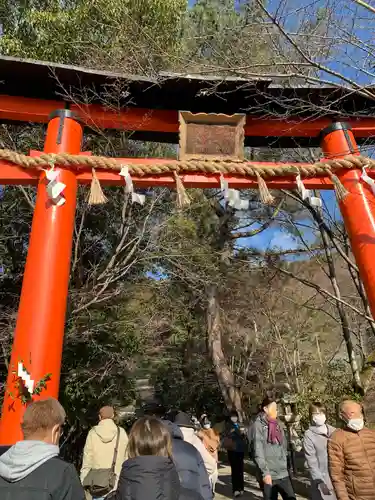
(37, 348)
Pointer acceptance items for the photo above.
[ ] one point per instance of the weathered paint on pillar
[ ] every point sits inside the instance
(39, 333)
(358, 208)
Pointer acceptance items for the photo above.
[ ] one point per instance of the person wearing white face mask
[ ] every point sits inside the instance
(315, 447)
(234, 441)
(351, 455)
(211, 441)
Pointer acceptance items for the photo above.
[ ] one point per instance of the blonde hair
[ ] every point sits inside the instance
(41, 416)
(149, 436)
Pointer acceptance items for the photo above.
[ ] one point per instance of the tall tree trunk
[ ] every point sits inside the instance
(223, 247)
(342, 314)
(225, 377)
(327, 234)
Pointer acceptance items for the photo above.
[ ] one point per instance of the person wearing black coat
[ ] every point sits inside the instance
(150, 472)
(53, 480)
(151, 477)
(189, 463)
(148, 477)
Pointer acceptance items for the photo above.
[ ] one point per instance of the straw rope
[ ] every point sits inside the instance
(247, 169)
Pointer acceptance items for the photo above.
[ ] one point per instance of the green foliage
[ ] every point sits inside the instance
(197, 392)
(116, 33)
(329, 387)
(223, 33)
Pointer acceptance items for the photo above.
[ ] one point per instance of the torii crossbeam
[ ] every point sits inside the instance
(38, 338)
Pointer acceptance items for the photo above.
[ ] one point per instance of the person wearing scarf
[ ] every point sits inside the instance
(270, 453)
(274, 432)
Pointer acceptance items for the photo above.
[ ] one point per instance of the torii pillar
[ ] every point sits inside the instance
(39, 333)
(358, 207)
(40, 324)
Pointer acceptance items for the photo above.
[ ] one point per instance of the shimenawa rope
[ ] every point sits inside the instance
(239, 167)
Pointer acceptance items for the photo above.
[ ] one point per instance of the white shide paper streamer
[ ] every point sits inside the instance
(232, 196)
(367, 179)
(129, 188)
(306, 194)
(55, 188)
(25, 376)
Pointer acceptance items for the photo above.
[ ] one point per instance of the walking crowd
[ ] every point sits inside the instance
(168, 458)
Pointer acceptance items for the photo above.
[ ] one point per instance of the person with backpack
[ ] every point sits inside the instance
(189, 463)
(187, 427)
(104, 453)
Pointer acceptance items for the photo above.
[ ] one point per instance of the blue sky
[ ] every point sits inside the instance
(348, 60)
(278, 237)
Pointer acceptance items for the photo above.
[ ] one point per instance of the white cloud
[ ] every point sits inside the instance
(283, 241)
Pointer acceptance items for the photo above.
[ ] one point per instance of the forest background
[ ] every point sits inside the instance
(204, 308)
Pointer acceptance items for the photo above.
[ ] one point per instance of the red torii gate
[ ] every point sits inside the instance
(39, 331)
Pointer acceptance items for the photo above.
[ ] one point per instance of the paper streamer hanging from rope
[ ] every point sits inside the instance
(232, 196)
(370, 182)
(55, 188)
(129, 188)
(306, 194)
(25, 377)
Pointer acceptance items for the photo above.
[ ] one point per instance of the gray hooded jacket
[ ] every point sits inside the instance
(31, 470)
(270, 458)
(24, 457)
(315, 447)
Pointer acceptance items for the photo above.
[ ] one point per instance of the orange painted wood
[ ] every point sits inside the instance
(133, 119)
(357, 209)
(26, 109)
(39, 333)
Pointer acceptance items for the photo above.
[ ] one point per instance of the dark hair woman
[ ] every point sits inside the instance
(270, 453)
(315, 445)
(149, 473)
(235, 442)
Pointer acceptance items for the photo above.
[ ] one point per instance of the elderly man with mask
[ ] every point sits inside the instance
(351, 454)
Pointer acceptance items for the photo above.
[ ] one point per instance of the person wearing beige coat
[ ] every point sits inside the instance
(100, 446)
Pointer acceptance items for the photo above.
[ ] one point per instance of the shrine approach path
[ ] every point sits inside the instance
(224, 488)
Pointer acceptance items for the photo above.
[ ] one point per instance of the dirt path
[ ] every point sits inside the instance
(224, 488)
